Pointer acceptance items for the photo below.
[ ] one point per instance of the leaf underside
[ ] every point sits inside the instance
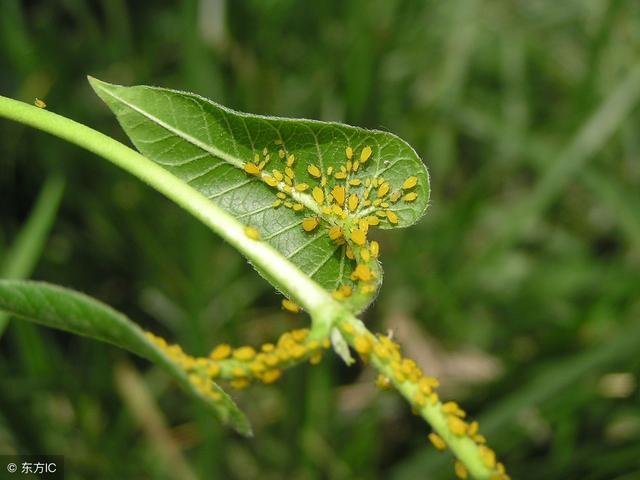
(74, 312)
(240, 161)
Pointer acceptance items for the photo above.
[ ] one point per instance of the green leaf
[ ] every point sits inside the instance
(74, 312)
(232, 158)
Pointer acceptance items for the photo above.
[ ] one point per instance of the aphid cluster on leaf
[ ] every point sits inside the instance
(342, 201)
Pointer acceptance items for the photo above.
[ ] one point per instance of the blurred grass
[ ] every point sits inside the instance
(525, 112)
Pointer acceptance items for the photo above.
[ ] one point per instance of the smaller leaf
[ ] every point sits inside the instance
(77, 313)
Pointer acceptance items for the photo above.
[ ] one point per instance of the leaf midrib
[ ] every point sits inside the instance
(303, 198)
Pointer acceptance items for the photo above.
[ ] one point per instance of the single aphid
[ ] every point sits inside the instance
(365, 154)
(410, 197)
(338, 193)
(410, 182)
(318, 195)
(252, 233)
(40, 103)
(353, 202)
(290, 306)
(314, 171)
(349, 152)
(309, 224)
(251, 168)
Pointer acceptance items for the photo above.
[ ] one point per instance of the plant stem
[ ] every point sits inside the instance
(324, 310)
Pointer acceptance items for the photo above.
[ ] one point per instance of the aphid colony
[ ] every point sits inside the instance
(404, 372)
(343, 200)
(244, 364)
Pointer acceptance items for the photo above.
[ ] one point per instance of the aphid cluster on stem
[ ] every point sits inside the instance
(243, 365)
(344, 200)
(404, 372)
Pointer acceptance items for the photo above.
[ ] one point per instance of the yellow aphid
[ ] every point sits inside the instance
(252, 233)
(383, 190)
(278, 175)
(327, 210)
(265, 151)
(393, 218)
(461, 470)
(341, 175)
(289, 172)
(329, 171)
(349, 253)
(290, 160)
(450, 407)
(314, 171)
(473, 428)
(419, 399)
(349, 152)
(297, 207)
(364, 253)
(310, 223)
(457, 426)
(336, 210)
(488, 456)
(256, 158)
(338, 193)
(374, 248)
(281, 195)
(281, 153)
(238, 372)
(221, 352)
(257, 367)
(289, 181)
(372, 220)
(335, 232)
(362, 272)
(363, 225)
(353, 202)
(323, 181)
(271, 376)
(362, 345)
(244, 353)
(213, 370)
(355, 182)
(365, 154)
(287, 188)
(385, 205)
(395, 196)
(382, 382)
(239, 383)
(318, 195)
(276, 203)
(358, 236)
(410, 197)
(251, 168)
(40, 103)
(377, 202)
(267, 347)
(290, 306)
(410, 182)
(345, 290)
(381, 213)
(437, 441)
(301, 187)
(356, 166)
(348, 166)
(271, 181)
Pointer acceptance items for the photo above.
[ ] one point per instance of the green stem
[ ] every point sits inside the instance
(324, 310)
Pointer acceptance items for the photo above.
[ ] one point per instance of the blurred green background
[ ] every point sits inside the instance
(519, 289)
